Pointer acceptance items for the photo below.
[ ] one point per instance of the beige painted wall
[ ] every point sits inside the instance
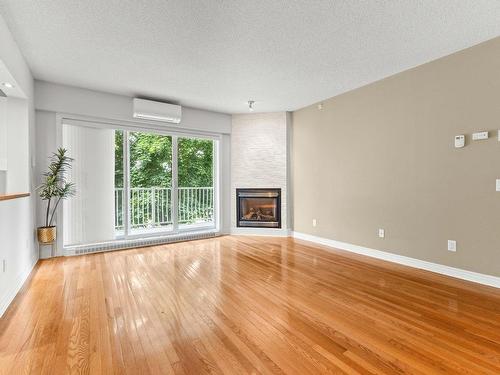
(382, 156)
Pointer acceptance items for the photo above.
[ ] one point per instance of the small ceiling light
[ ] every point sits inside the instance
(250, 105)
(8, 85)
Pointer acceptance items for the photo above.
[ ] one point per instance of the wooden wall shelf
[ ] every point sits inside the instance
(6, 197)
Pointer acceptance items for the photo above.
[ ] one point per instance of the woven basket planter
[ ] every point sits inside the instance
(46, 235)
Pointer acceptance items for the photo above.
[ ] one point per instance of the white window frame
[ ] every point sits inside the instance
(160, 129)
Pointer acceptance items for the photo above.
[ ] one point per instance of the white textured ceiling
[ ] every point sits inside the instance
(284, 54)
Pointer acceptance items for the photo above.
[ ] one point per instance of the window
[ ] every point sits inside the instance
(150, 182)
(196, 182)
(134, 184)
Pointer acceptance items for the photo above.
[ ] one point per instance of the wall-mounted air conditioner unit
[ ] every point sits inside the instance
(157, 111)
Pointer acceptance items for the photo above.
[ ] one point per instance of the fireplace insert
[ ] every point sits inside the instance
(259, 208)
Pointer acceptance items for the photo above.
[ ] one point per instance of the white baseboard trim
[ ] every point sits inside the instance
(458, 273)
(274, 232)
(14, 288)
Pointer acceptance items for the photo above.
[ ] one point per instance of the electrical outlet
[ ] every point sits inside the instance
(381, 233)
(314, 222)
(452, 245)
(498, 184)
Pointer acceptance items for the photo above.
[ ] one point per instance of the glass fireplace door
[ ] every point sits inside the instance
(258, 208)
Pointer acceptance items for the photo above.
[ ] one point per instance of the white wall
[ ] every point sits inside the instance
(47, 143)
(225, 184)
(3, 145)
(18, 155)
(12, 58)
(54, 101)
(73, 100)
(14, 145)
(3, 133)
(260, 159)
(17, 245)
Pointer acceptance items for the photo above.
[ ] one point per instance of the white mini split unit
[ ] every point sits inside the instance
(157, 111)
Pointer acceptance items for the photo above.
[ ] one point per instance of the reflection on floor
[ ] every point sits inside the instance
(238, 305)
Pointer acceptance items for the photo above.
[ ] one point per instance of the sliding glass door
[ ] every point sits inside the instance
(150, 182)
(134, 184)
(196, 182)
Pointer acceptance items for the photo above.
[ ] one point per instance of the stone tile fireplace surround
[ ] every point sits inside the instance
(260, 159)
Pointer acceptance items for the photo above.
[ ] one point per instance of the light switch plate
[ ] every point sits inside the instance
(459, 141)
(381, 233)
(498, 184)
(452, 245)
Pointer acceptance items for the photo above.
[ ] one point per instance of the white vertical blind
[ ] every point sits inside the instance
(89, 216)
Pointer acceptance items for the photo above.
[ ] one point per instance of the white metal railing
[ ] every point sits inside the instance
(152, 207)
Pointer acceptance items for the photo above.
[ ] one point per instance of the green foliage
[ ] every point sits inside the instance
(118, 159)
(195, 158)
(54, 185)
(151, 167)
(151, 161)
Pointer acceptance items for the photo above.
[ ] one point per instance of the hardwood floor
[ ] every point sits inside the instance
(238, 305)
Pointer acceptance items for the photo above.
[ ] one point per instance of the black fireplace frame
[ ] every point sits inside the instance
(258, 224)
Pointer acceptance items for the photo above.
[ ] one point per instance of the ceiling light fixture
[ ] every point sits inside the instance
(8, 85)
(250, 105)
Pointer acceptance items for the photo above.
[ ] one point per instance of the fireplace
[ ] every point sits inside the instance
(259, 208)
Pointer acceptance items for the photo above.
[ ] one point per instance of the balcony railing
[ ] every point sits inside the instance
(152, 207)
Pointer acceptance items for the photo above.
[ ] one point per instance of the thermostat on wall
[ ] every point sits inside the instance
(459, 141)
(479, 136)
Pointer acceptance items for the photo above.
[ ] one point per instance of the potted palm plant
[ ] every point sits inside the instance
(53, 189)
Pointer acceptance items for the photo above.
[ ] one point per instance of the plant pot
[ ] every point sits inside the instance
(46, 235)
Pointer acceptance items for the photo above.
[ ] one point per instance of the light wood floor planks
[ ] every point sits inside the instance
(246, 305)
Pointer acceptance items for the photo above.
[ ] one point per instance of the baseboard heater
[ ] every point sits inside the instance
(128, 244)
